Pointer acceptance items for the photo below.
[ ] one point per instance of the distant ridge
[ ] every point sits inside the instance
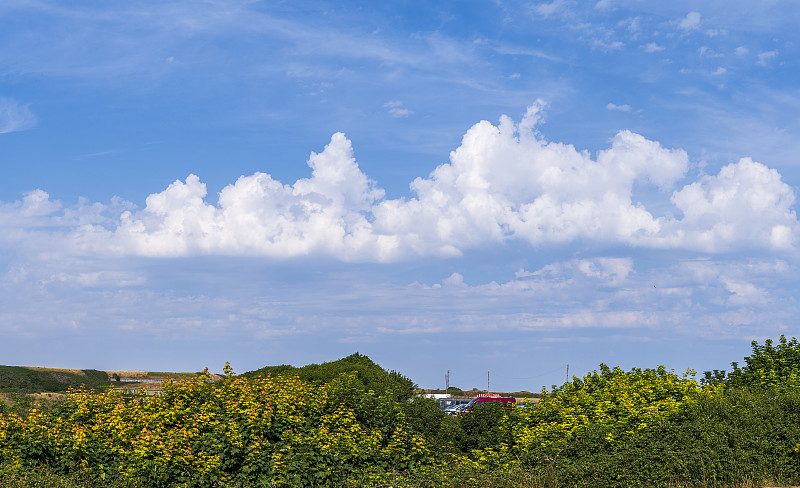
(41, 379)
(36, 379)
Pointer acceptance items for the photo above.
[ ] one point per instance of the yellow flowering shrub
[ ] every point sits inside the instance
(263, 431)
(630, 400)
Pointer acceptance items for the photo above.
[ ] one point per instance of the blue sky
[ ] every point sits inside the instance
(470, 186)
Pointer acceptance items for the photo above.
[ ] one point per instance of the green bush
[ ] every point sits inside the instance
(768, 367)
(737, 438)
(425, 418)
(488, 425)
(369, 375)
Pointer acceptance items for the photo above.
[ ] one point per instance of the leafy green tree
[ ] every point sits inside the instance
(425, 418)
(486, 426)
(769, 366)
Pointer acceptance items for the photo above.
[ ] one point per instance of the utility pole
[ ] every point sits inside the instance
(487, 382)
(567, 372)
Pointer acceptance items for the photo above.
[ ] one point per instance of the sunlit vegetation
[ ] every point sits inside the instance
(643, 427)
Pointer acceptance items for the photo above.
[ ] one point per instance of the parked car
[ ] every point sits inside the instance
(455, 409)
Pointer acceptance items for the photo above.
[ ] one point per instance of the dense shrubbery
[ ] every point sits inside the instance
(625, 402)
(644, 427)
(261, 432)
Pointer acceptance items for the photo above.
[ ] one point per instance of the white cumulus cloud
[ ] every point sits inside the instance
(504, 183)
(258, 215)
(690, 22)
(507, 182)
(745, 205)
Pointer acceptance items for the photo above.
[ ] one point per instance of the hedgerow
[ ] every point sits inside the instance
(262, 432)
(610, 428)
(625, 402)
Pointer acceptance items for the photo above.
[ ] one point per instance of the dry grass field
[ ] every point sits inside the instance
(56, 370)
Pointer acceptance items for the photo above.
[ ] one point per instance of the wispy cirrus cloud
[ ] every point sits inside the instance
(710, 298)
(556, 7)
(621, 108)
(396, 109)
(766, 56)
(140, 37)
(652, 47)
(241, 310)
(15, 116)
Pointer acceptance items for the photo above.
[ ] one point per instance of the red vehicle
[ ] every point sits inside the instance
(508, 402)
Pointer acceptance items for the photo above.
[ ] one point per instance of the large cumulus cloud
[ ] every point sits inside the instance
(326, 213)
(745, 205)
(504, 182)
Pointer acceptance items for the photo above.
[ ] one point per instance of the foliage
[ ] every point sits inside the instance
(46, 477)
(627, 401)
(768, 367)
(22, 403)
(612, 428)
(17, 403)
(369, 375)
(488, 425)
(280, 431)
(737, 438)
(426, 419)
(454, 472)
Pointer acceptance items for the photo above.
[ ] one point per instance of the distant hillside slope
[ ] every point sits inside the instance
(370, 375)
(36, 379)
(23, 378)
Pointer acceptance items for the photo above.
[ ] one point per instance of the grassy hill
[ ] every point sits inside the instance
(30, 379)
